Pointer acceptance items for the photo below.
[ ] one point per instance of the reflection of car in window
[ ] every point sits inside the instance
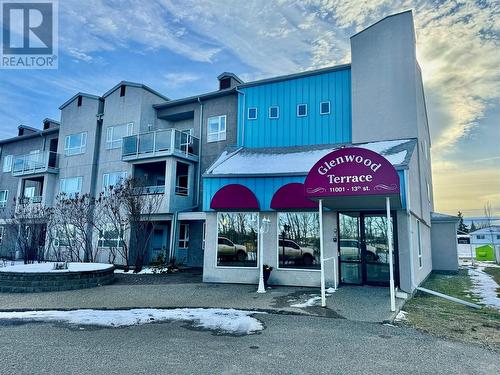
(296, 253)
(228, 249)
(349, 250)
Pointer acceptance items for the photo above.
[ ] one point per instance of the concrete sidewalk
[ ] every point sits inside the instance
(369, 304)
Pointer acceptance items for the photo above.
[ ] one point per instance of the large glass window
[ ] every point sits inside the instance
(182, 179)
(70, 186)
(75, 144)
(111, 236)
(184, 236)
(216, 129)
(298, 240)
(115, 134)
(112, 179)
(7, 163)
(237, 239)
(4, 194)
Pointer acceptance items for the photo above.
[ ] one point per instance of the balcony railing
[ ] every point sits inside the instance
(147, 190)
(31, 200)
(160, 143)
(40, 162)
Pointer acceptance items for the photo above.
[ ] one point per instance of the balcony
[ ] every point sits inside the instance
(160, 143)
(29, 164)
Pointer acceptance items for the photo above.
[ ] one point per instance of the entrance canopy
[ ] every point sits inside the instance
(353, 177)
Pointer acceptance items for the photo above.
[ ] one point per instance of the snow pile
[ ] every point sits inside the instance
(222, 320)
(401, 317)
(49, 267)
(484, 287)
(309, 303)
(144, 271)
(331, 290)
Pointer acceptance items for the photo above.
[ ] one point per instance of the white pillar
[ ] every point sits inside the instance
(389, 244)
(322, 258)
(261, 231)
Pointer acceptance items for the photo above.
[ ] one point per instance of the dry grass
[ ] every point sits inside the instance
(452, 320)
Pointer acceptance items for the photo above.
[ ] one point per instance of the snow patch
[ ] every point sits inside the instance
(48, 267)
(144, 271)
(484, 287)
(331, 290)
(401, 317)
(310, 302)
(221, 320)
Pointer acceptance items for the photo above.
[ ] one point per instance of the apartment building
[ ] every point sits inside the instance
(233, 166)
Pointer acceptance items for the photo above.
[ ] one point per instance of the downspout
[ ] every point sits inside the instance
(242, 118)
(199, 154)
(410, 229)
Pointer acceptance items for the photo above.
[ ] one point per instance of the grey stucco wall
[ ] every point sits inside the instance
(444, 246)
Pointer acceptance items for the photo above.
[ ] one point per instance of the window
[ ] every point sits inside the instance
(122, 90)
(498, 236)
(65, 235)
(428, 191)
(184, 236)
(216, 128)
(7, 163)
(419, 244)
(274, 112)
(111, 236)
(324, 108)
(112, 179)
(2, 230)
(79, 101)
(71, 186)
(204, 232)
(298, 240)
(4, 195)
(182, 179)
(115, 134)
(480, 236)
(252, 113)
(301, 110)
(237, 239)
(75, 144)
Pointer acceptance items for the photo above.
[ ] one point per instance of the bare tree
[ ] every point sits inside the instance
(130, 206)
(29, 223)
(76, 220)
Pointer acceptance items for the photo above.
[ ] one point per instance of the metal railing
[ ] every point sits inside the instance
(146, 190)
(34, 163)
(160, 142)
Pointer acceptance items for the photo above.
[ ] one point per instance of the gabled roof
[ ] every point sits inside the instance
(84, 94)
(134, 84)
(37, 133)
(231, 75)
(47, 119)
(297, 161)
(492, 229)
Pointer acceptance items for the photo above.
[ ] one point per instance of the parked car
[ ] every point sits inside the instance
(229, 250)
(350, 250)
(293, 251)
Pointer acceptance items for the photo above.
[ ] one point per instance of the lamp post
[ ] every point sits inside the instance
(264, 228)
(284, 233)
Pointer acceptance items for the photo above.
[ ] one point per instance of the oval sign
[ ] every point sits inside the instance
(351, 171)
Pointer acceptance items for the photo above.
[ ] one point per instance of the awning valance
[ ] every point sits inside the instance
(291, 196)
(234, 197)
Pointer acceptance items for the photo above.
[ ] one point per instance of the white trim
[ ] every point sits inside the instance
(69, 151)
(277, 112)
(192, 216)
(419, 247)
(321, 107)
(185, 239)
(256, 113)
(301, 104)
(7, 163)
(220, 134)
(112, 143)
(3, 203)
(217, 241)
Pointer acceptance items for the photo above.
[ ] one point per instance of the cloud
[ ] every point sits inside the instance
(179, 79)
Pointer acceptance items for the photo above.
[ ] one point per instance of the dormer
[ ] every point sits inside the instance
(24, 130)
(228, 80)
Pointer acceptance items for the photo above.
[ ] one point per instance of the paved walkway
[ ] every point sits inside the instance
(370, 304)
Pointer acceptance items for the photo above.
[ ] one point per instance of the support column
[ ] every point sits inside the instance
(389, 244)
(322, 257)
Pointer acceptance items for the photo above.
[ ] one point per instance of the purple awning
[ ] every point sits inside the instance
(291, 196)
(234, 197)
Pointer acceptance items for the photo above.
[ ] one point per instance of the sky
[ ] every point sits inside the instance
(180, 47)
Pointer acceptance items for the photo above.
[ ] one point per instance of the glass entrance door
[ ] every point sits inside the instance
(363, 250)
(376, 251)
(351, 271)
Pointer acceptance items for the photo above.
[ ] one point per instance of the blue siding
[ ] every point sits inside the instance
(288, 129)
(264, 187)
